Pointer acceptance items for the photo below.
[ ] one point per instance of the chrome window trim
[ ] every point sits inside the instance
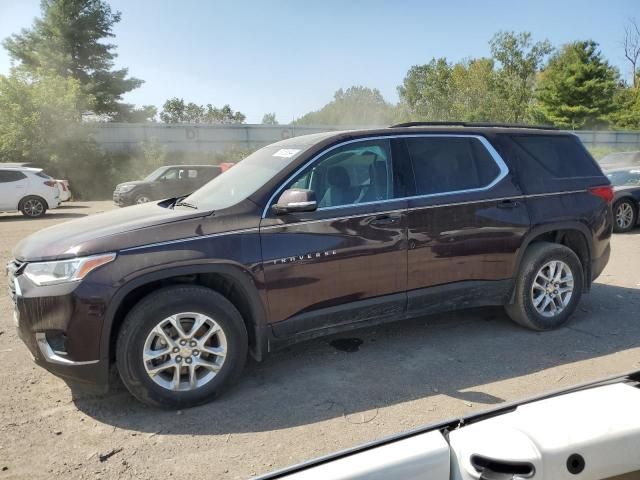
(504, 170)
(424, 207)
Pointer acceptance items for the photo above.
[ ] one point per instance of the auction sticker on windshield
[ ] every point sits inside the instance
(286, 152)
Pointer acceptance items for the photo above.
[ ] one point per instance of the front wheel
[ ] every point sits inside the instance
(548, 288)
(180, 346)
(142, 198)
(626, 216)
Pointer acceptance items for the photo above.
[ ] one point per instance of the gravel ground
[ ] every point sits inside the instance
(310, 399)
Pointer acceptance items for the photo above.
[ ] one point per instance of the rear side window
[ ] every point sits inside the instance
(561, 156)
(450, 164)
(7, 176)
(43, 175)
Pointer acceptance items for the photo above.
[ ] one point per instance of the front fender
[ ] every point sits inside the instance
(250, 285)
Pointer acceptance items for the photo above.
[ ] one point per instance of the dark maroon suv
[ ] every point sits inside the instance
(309, 236)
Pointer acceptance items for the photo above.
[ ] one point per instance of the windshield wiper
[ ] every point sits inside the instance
(185, 204)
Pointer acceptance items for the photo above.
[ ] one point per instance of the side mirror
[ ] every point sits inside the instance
(296, 200)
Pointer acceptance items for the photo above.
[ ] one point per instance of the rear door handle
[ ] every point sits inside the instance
(385, 220)
(509, 204)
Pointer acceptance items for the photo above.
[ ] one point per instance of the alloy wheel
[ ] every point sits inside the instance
(184, 351)
(142, 199)
(624, 215)
(33, 207)
(552, 288)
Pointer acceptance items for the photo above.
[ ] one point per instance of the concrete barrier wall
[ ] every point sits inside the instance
(218, 138)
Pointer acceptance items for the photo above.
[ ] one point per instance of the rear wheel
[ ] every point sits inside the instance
(180, 346)
(626, 215)
(548, 288)
(33, 207)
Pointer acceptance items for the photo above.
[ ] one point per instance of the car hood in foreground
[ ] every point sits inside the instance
(118, 229)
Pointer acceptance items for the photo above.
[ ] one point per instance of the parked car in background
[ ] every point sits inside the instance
(65, 190)
(620, 160)
(27, 190)
(310, 236)
(626, 202)
(165, 182)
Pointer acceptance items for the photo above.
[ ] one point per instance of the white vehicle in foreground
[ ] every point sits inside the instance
(591, 432)
(27, 190)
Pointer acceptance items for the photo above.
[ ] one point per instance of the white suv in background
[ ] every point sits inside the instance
(27, 190)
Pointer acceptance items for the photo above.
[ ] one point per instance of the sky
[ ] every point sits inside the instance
(289, 57)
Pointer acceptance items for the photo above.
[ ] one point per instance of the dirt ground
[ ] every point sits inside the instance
(311, 399)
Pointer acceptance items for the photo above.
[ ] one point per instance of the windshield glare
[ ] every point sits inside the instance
(243, 179)
(154, 175)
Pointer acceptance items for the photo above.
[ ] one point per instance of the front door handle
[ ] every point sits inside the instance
(493, 469)
(508, 204)
(385, 220)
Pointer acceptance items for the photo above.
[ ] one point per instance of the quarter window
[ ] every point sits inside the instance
(450, 164)
(358, 172)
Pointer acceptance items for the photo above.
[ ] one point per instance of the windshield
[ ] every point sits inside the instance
(243, 179)
(154, 175)
(630, 178)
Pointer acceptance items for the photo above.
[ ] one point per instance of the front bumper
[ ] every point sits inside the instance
(598, 264)
(61, 327)
(123, 199)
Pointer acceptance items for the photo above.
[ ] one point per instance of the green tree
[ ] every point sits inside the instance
(224, 115)
(626, 108)
(427, 91)
(518, 59)
(68, 39)
(439, 91)
(269, 119)
(146, 113)
(41, 122)
(576, 89)
(175, 110)
(354, 106)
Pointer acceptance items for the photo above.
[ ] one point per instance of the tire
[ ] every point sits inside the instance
(625, 215)
(33, 206)
(141, 198)
(537, 259)
(140, 326)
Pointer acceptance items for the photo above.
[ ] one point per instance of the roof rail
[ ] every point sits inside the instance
(470, 124)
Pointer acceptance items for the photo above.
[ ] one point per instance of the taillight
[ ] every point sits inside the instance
(64, 187)
(605, 192)
(49, 183)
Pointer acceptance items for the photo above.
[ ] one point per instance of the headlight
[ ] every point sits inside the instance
(126, 188)
(51, 273)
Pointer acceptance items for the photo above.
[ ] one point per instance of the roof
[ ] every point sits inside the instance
(17, 167)
(414, 128)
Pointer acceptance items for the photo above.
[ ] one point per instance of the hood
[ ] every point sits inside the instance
(110, 231)
(132, 182)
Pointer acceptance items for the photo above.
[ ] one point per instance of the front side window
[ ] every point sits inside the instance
(351, 174)
(7, 176)
(170, 174)
(450, 164)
